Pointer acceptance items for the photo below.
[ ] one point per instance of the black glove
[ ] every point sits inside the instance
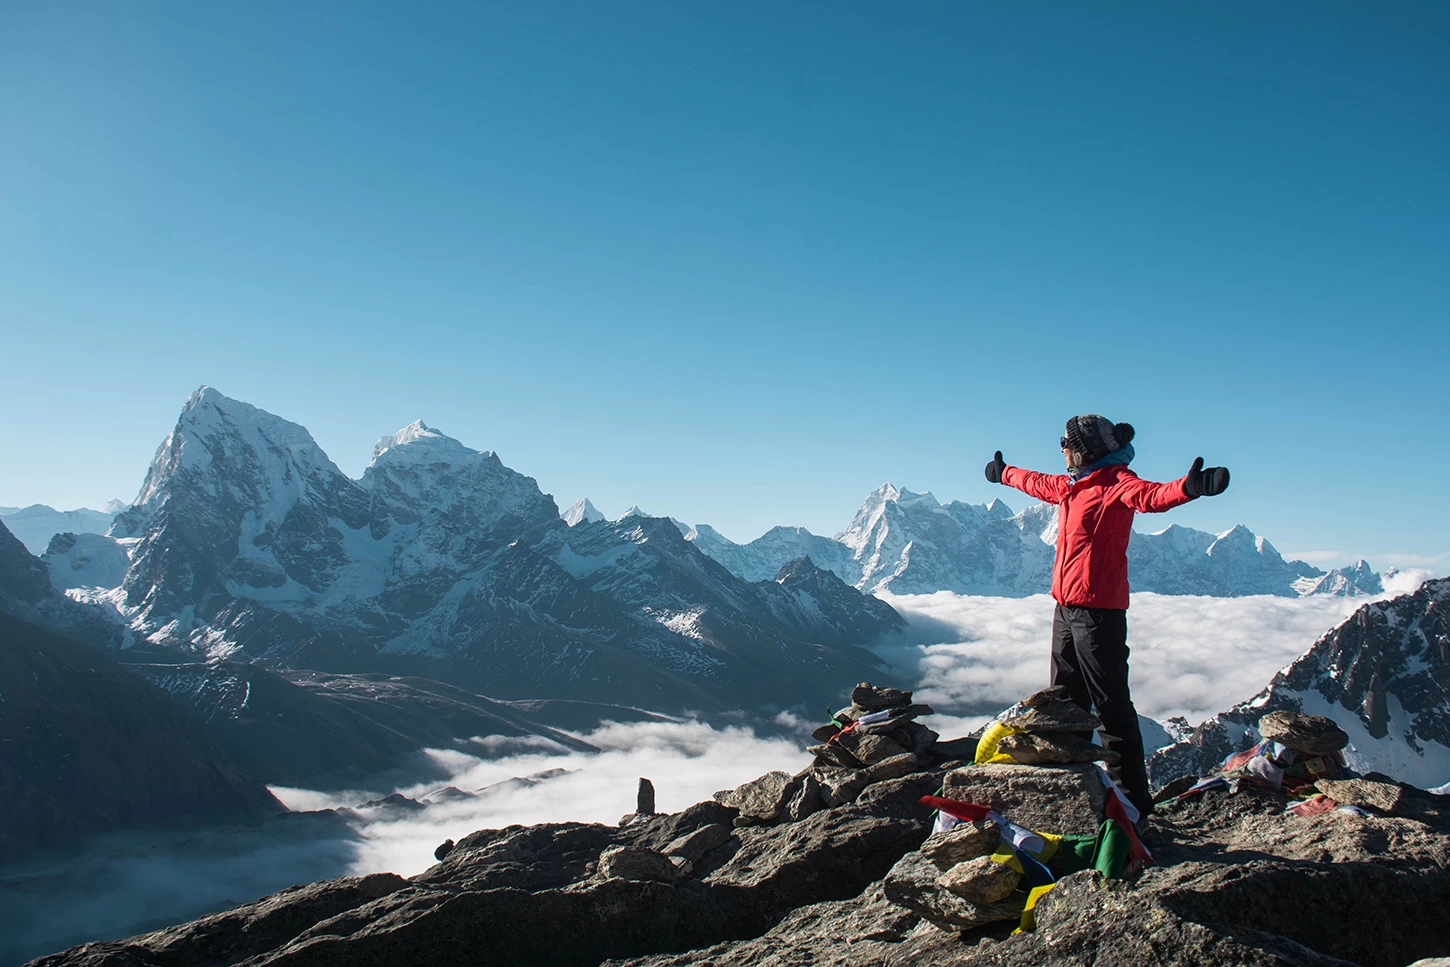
(1205, 483)
(995, 468)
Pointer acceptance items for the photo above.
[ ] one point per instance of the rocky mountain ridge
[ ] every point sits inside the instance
(759, 876)
(247, 542)
(1383, 676)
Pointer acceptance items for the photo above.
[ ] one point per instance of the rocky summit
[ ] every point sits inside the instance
(937, 859)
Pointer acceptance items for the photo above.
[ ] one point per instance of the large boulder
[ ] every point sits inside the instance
(633, 863)
(695, 844)
(982, 881)
(913, 884)
(1053, 748)
(965, 841)
(760, 801)
(1313, 734)
(1063, 799)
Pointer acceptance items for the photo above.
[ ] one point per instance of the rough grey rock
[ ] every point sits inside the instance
(923, 740)
(838, 933)
(759, 800)
(1051, 715)
(840, 786)
(834, 754)
(632, 863)
(444, 848)
(868, 748)
(1053, 748)
(1314, 734)
(1384, 796)
(807, 798)
(892, 768)
(823, 733)
(1064, 799)
(872, 698)
(645, 798)
(694, 845)
(912, 883)
(965, 841)
(982, 881)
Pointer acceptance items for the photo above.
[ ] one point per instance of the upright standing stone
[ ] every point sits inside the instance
(645, 801)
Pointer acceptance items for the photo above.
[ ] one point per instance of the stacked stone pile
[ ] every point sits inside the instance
(1047, 727)
(873, 739)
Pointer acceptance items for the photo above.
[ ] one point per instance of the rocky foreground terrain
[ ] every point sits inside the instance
(835, 866)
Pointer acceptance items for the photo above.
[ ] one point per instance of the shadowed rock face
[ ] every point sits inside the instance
(325, 731)
(86, 747)
(1236, 882)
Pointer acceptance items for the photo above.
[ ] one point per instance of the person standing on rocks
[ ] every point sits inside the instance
(1096, 500)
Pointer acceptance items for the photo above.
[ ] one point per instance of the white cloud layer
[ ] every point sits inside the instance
(1190, 656)
(686, 761)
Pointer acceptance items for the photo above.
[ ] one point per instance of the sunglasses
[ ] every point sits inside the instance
(1062, 444)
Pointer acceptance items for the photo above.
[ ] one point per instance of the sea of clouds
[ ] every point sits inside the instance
(968, 657)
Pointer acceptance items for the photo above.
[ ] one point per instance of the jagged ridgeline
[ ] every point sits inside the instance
(247, 542)
(909, 543)
(1383, 676)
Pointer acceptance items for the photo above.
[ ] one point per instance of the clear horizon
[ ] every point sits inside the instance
(740, 266)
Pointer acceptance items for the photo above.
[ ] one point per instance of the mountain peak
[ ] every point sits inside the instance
(582, 511)
(633, 511)
(114, 506)
(998, 508)
(420, 440)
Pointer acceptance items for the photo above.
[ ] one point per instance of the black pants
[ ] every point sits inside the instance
(1090, 658)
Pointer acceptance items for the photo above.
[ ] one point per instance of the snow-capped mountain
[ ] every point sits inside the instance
(37, 524)
(86, 561)
(1383, 676)
(247, 541)
(910, 543)
(582, 511)
(762, 558)
(27, 593)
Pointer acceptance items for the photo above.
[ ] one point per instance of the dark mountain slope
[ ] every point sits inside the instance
(87, 747)
(329, 731)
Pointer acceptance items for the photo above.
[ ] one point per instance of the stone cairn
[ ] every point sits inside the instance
(1051, 785)
(1045, 779)
(874, 738)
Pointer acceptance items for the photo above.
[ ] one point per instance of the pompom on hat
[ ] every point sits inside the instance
(1096, 436)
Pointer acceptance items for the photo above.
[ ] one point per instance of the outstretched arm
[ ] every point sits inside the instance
(1147, 497)
(1049, 487)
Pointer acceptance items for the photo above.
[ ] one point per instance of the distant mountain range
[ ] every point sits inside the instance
(37, 524)
(1383, 676)
(910, 543)
(247, 543)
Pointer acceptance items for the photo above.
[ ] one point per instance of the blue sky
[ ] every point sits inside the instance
(741, 263)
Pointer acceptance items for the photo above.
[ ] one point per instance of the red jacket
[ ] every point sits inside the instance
(1094, 522)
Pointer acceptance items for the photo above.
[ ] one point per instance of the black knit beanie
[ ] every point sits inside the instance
(1097, 436)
